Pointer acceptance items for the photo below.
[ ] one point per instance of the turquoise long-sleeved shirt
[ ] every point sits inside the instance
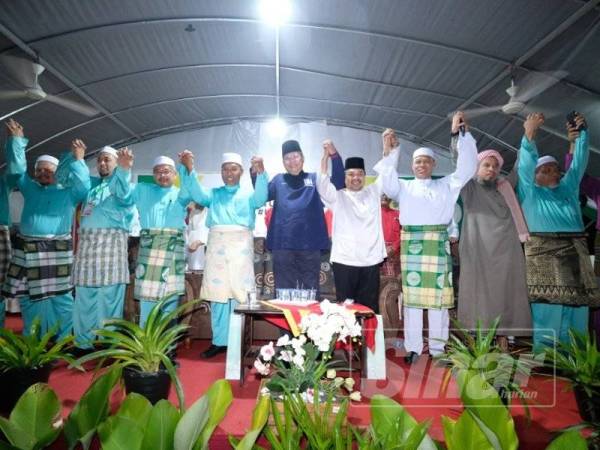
(16, 165)
(158, 207)
(106, 204)
(48, 210)
(228, 205)
(552, 209)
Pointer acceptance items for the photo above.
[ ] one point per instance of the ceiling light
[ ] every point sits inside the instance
(276, 127)
(275, 12)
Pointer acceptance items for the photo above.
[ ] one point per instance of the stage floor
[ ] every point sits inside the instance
(417, 387)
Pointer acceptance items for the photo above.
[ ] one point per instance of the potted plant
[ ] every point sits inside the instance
(304, 364)
(144, 352)
(579, 361)
(27, 360)
(480, 353)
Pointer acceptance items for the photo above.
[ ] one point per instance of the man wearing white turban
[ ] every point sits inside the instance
(427, 207)
(160, 267)
(40, 270)
(229, 267)
(100, 272)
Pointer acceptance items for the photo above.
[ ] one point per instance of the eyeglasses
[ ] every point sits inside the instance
(163, 172)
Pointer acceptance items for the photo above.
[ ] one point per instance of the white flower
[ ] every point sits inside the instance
(300, 352)
(283, 340)
(261, 368)
(298, 361)
(267, 351)
(338, 382)
(298, 343)
(286, 355)
(331, 374)
(355, 396)
(349, 383)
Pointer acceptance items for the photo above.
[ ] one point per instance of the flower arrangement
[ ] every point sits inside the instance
(304, 364)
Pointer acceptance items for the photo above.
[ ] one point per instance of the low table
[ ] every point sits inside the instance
(241, 354)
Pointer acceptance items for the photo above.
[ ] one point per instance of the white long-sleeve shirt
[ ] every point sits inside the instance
(357, 233)
(429, 202)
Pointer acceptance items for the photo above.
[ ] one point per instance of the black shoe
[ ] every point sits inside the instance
(213, 350)
(411, 358)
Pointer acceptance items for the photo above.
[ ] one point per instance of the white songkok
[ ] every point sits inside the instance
(46, 158)
(545, 160)
(163, 161)
(110, 151)
(232, 158)
(423, 151)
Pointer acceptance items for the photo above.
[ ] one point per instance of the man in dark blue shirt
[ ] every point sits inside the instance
(297, 232)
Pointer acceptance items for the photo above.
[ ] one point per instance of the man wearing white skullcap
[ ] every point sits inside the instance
(560, 276)
(40, 271)
(427, 207)
(160, 267)
(100, 272)
(229, 265)
(15, 166)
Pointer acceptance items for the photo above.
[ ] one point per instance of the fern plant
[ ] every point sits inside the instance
(144, 349)
(35, 350)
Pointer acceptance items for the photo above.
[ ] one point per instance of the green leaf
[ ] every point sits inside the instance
(220, 397)
(91, 410)
(5, 446)
(483, 402)
(386, 415)
(160, 430)
(571, 440)
(191, 424)
(259, 420)
(464, 434)
(33, 420)
(125, 430)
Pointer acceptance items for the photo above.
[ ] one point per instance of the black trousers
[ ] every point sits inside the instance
(297, 269)
(358, 283)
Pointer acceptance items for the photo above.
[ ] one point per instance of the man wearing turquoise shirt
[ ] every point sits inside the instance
(40, 269)
(560, 277)
(100, 272)
(160, 267)
(229, 266)
(15, 167)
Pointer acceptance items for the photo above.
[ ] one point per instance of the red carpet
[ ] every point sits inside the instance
(419, 389)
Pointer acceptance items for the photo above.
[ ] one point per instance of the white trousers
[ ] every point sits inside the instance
(439, 321)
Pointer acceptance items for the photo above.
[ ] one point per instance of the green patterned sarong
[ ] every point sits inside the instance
(160, 270)
(426, 267)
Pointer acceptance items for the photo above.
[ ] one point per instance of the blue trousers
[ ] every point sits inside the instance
(2, 312)
(297, 268)
(220, 313)
(51, 310)
(146, 306)
(554, 321)
(94, 305)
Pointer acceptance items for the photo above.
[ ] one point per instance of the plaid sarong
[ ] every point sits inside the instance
(160, 269)
(101, 258)
(5, 251)
(39, 268)
(426, 267)
(559, 270)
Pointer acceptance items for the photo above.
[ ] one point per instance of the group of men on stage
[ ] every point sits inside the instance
(42, 273)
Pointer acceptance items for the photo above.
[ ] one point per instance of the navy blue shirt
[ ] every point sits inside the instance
(298, 222)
